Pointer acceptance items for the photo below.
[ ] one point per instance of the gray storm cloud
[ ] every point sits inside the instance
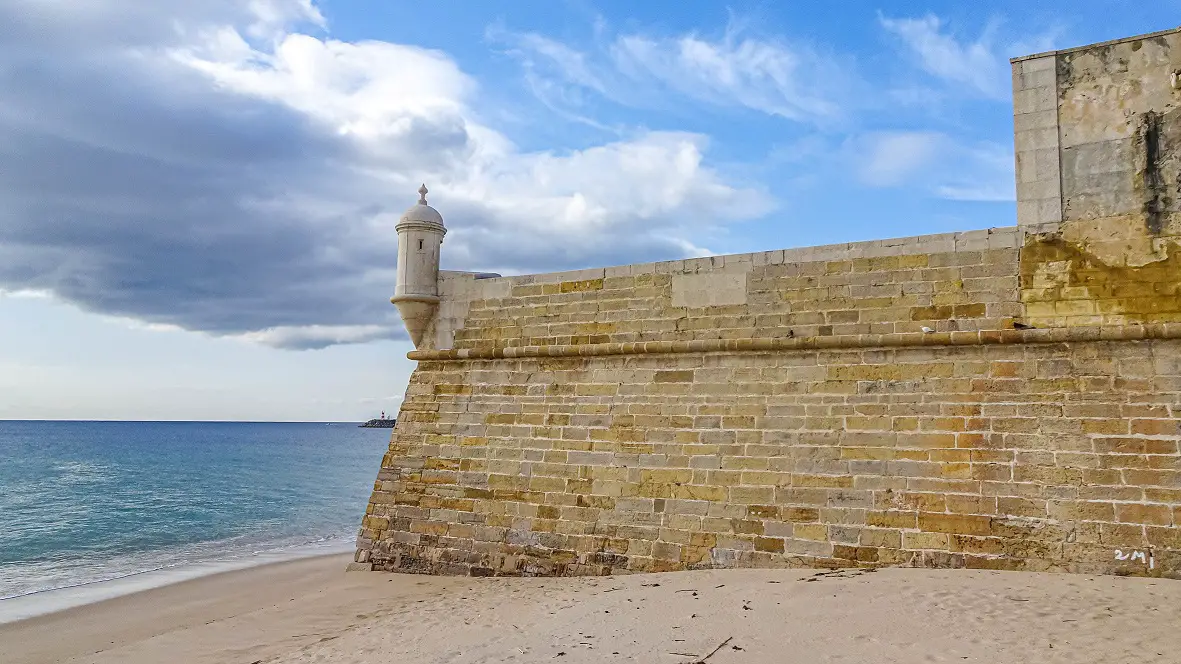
(171, 163)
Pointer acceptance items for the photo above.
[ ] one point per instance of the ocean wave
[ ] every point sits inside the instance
(46, 576)
(40, 602)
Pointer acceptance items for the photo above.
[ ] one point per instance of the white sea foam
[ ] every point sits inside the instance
(59, 599)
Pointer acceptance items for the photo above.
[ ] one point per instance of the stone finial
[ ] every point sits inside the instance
(422, 191)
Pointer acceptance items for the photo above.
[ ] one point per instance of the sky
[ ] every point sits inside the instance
(198, 197)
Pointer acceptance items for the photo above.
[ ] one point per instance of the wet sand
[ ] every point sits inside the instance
(312, 611)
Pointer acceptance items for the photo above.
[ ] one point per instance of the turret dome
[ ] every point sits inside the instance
(421, 212)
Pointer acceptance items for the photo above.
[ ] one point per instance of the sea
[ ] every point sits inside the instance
(92, 510)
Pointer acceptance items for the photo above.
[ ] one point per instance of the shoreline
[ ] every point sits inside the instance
(312, 610)
(146, 614)
(54, 600)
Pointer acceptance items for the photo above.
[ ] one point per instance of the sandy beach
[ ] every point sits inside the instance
(312, 611)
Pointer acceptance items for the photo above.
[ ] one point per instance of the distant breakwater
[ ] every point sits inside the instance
(379, 423)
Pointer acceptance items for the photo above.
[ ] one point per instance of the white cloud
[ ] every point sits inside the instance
(369, 89)
(765, 76)
(315, 336)
(273, 17)
(893, 158)
(134, 324)
(791, 81)
(972, 63)
(981, 64)
(988, 175)
(27, 294)
(557, 75)
(532, 47)
(935, 163)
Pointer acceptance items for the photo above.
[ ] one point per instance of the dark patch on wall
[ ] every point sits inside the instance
(1063, 72)
(1107, 55)
(1154, 185)
(1149, 293)
(1157, 178)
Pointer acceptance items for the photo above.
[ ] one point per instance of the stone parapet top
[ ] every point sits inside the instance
(1109, 42)
(1005, 237)
(896, 340)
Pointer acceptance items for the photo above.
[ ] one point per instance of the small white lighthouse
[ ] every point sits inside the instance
(420, 234)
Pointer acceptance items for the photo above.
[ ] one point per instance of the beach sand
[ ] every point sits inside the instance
(312, 611)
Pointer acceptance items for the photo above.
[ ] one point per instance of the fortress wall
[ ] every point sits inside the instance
(783, 407)
(1016, 456)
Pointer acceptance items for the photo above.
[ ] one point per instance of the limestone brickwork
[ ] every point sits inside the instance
(956, 281)
(1007, 398)
(1009, 456)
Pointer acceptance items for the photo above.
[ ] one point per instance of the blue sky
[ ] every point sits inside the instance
(197, 199)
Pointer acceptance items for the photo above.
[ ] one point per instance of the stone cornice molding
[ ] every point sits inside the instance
(836, 342)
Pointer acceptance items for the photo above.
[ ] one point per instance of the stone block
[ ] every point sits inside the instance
(709, 289)
(1038, 78)
(1049, 210)
(1038, 189)
(1044, 119)
(1038, 64)
(1037, 139)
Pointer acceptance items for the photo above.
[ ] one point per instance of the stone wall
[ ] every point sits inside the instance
(782, 408)
(1046, 456)
(788, 407)
(957, 281)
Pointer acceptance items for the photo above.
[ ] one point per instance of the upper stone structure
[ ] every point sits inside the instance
(420, 235)
(1097, 132)
(1098, 161)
